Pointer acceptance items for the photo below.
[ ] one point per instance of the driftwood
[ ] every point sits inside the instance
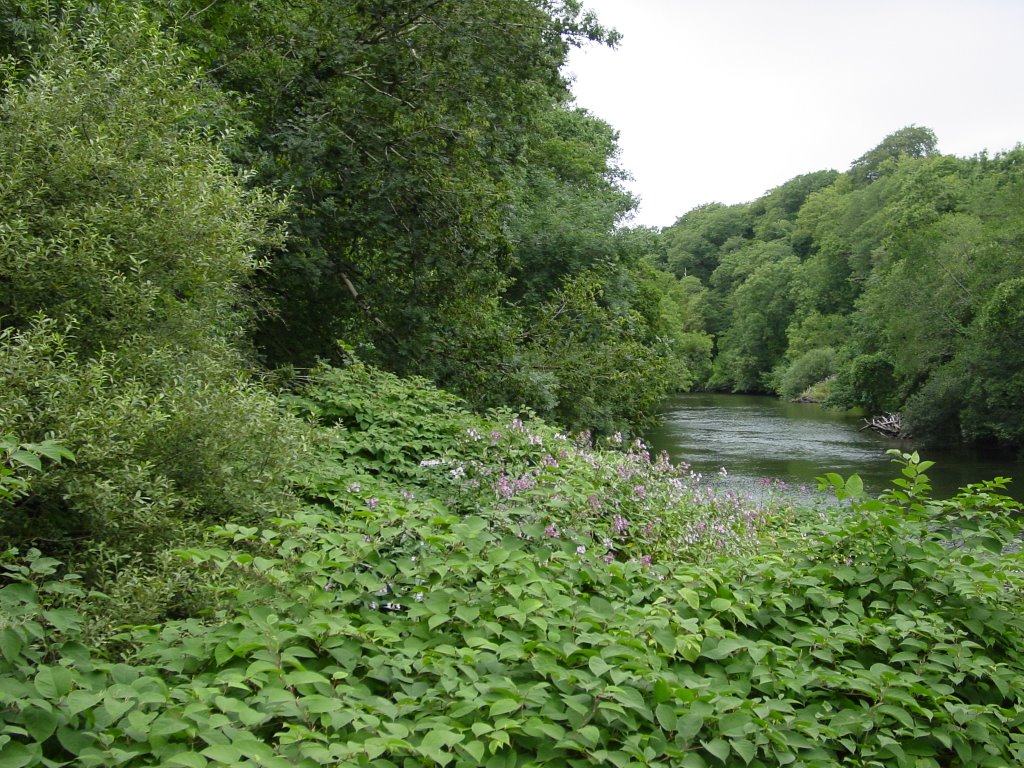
(888, 424)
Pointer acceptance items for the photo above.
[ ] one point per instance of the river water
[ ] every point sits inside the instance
(762, 440)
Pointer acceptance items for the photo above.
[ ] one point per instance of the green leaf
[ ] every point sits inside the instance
(74, 740)
(718, 747)
(305, 677)
(598, 665)
(744, 749)
(691, 597)
(187, 760)
(10, 644)
(476, 750)
(667, 717)
(53, 682)
(854, 487)
(504, 706)
(16, 755)
(689, 725)
(468, 613)
(80, 700)
(227, 754)
(40, 723)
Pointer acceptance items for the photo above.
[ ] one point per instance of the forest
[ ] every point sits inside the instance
(892, 287)
(326, 343)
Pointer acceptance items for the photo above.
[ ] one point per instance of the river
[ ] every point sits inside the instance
(763, 439)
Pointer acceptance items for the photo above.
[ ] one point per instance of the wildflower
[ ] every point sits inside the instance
(431, 462)
(581, 550)
(408, 495)
(355, 488)
(473, 434)
(619, 524)
(549, 461)
(457, 472)
(639, 491)
(595, 503)
(645, 560)
(495, 436)
(372, 502)
(504, 486)
(551, 532)
(617, 438)
(535, 440)
(525, 483)
(609, 558)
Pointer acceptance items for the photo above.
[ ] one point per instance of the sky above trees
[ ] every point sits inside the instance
(720, 100)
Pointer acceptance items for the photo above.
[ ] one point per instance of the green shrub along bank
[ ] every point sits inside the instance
(465, 590)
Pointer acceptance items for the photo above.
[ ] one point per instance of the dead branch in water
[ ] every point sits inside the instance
(888, 424)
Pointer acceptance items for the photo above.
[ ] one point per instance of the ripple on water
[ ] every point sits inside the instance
(763, 437)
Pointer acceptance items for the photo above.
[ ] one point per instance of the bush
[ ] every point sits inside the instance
(126, 243)
(809, 369)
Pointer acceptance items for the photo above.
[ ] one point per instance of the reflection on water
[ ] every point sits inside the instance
(757, 438)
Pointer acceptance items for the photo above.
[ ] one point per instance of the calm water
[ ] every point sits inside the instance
(756, 438)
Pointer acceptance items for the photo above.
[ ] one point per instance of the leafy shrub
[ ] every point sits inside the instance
(867, 382)
(401, 633)
(126, 242)
(810, 368)
(16, 457)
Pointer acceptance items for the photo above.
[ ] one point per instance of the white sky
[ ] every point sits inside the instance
(721, 100)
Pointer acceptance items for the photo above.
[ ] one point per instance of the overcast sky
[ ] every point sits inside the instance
(721, 100)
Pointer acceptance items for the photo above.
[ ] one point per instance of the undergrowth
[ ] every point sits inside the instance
(468, 591)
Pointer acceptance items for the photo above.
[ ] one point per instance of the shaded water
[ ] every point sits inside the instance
(762, 438)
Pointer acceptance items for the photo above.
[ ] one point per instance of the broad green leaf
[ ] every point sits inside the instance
(40, 723)
(666, 715)
(503, 707)
(52, 682)
(187, 760)
(718, 747)
(16, 755)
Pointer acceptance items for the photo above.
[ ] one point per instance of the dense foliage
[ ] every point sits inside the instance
(896, 283)
(203, 562)
(449, 212)
(486, 591)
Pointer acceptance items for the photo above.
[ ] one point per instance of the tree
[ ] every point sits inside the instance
(912, 141)
(126, 241)
(399, 128)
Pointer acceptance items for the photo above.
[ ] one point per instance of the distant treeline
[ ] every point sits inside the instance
(895, 286)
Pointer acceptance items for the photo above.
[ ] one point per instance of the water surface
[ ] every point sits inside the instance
(757, 439)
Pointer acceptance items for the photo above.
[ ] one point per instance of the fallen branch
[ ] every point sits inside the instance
(888, 424)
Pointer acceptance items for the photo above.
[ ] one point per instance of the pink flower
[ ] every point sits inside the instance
(504, 486)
